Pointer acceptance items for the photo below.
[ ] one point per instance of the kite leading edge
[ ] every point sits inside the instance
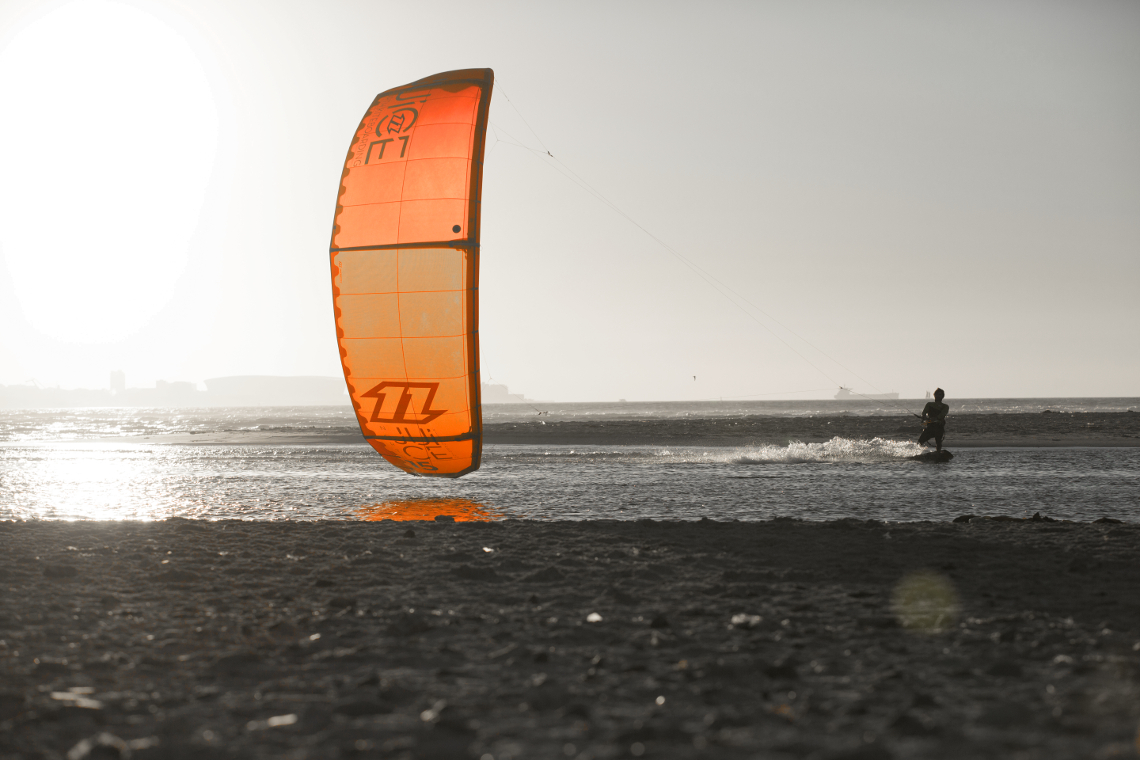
(405, 272)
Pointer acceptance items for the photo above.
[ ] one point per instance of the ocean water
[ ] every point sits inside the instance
(38, 425)
(73, 464)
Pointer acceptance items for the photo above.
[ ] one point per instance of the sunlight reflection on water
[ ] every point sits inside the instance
(460, 510)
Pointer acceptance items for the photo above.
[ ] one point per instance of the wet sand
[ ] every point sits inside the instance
(963, 431)
(845, 640)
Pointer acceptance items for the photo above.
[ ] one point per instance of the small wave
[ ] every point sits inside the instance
(294, 429)
(838, 450)
(842, 450)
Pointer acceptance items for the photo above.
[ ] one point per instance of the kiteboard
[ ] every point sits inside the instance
(933, 456)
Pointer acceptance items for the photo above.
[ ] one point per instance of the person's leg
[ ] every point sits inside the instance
(938, 440)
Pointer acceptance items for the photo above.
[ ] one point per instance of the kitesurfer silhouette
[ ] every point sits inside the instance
(934, 420)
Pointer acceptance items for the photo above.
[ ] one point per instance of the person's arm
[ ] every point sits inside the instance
(928, 411)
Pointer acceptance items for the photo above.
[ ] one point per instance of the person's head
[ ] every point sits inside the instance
(938, 394)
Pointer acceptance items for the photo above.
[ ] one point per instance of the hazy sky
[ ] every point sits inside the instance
(927, 193)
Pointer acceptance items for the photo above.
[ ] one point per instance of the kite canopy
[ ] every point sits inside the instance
(405, 272)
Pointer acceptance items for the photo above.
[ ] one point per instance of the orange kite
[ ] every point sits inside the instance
(405, 272)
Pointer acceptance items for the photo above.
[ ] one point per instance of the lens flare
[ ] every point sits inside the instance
(926, 602)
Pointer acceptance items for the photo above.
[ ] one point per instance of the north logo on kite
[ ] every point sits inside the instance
(393, 124)
(399, 120)
(396, 122)
(403, 409)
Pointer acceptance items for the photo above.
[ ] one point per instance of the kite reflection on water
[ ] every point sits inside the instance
(460, 510)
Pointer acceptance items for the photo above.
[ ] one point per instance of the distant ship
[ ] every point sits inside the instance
(845, 394)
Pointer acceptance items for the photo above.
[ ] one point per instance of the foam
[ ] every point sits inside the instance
(840, 450)
(837, 450)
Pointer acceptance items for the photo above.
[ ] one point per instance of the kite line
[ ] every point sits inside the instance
(711, 280)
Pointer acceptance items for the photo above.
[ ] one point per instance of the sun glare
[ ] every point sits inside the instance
(107, 144)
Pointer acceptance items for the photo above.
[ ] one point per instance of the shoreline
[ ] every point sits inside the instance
(1054, 430)
(782, 639)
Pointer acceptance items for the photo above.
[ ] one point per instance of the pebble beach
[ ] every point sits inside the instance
(849, 639)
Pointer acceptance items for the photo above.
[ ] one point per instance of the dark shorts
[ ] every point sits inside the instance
(935, 431)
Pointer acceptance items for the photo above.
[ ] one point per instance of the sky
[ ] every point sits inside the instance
(743, 199)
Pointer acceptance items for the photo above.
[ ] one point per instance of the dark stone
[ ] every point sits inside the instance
(1112, 520)
(475, 573)
(659, 621)
(408, 624)
(444, 518)
(372, 679)
(1005, 669)
(667, 733)
(238, 663)
(60, 572)
(355, 708)
(1006, 715)
(576, 710)
(342, 602)
(964, 518)
(911, 725)
(176, 576)
(11, 703)
(1081, 565)
(409, 533)
(175, 751)
(455, 724)
(547, 575)
(924, 700)
(396, 693)
(621, 597)
(547, 697)
(728, 717)
(862, 752)
(442, 744)
(783, 669)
